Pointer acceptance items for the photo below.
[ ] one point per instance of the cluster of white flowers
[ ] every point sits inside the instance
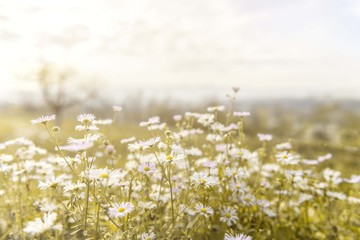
(190, 180)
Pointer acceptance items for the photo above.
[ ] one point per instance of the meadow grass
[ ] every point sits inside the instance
(198, 177)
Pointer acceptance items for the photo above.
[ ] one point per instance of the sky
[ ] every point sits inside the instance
(184, 48)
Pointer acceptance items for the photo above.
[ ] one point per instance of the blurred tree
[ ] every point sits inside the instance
(59, 89)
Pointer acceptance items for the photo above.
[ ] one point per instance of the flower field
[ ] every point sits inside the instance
(194, 178)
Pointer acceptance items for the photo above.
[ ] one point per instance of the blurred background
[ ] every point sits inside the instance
(296, 63)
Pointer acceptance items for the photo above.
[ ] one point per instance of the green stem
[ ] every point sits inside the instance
(58, 148)
(97, 220)
(97, 229)
(187, 205)
(86, 206)
(171, 196)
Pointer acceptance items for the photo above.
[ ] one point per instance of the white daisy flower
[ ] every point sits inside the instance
(193, 152)
(228, 215)
(241, 114)
(263, 203)
(77, 147)
(295, 175)
(177, 118)
(148, 236)
(238, 187)
(19, 141)
(105, 176)
(304, 198)
(283, 146)
(206, 119)
(265, 137)
(239, 236)
(234, 172)
(353, 179)
(353, 200)
(150, 121)
(310, 162)
(332, 176)
(147, 168)
(89, 128)
(150, 142)
(74, 187)
(102, 122)
(6, 158)
(216, 108)
(147, 205)
(203, 179)
(214, 138)
(87, 138)
(72, 161)
(192, 114)
(172, 158)
(157, 127)
(134, 147)
(44, 119)
(52, 182)
(85, 118)
(116, 108)
(287, 158)
(248, 199)
(120, 210)
(48, 207)
(210, 164)
(40, 225)
(218, 127)
(127, 140)
(337, 195)
(203, 210)
(325, 157)
(231, 126)
(269, 212)
(184, 209)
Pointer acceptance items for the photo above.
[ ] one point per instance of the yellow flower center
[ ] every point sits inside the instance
(238, 186)
(227, 215)
(54, 185)
(203, 210)
(121, 209)
(202, 181)
(146, 169)
(169, 157)
(104, 175)
(284, 156)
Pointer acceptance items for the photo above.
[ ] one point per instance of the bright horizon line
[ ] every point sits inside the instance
(189, 95)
